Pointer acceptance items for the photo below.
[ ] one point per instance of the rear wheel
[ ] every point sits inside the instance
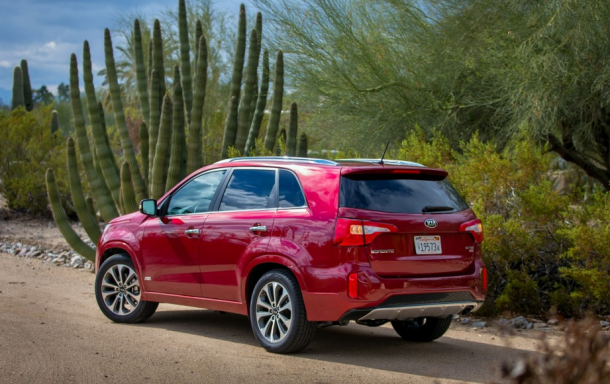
(422, 329)
(118, 293)
(277, 314)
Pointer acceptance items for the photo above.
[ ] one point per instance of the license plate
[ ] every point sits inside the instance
(428, 245)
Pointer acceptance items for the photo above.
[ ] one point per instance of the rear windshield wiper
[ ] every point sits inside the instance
(437, 208)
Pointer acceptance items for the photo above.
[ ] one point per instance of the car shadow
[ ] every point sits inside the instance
(359, 346)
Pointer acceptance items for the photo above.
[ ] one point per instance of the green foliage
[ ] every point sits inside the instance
(544, 248)
(28, 149)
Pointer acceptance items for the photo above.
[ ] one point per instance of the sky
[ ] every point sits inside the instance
(46, 32)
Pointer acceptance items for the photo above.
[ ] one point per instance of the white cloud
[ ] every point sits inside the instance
(51, 45)
(5, 64)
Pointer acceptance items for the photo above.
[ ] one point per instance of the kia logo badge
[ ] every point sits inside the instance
(430, 223)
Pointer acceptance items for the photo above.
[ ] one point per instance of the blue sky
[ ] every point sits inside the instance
(46, 32)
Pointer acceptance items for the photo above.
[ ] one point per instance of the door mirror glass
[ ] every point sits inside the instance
(148, 207)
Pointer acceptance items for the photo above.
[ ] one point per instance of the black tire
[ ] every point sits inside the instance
(299, 333)
(423, 329)
(122, 306)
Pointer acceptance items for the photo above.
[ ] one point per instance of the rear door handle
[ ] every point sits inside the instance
(192, 232)
(258, 228)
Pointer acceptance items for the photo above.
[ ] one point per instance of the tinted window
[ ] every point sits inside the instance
(249, 189)
(291, 194)
(399, 195)
(196, 195)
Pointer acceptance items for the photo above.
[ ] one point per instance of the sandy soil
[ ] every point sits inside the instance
(51, 331)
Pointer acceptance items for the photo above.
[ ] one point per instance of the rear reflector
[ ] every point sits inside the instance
(475, 228)
(355, 232)
(352, 290)
(484, 273)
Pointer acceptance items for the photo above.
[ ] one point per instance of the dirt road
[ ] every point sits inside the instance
(51, 331)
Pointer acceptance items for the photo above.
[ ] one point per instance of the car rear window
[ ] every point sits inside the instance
(399, 194)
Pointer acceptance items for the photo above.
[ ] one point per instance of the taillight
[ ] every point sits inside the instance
(475, 228)
(354, 232)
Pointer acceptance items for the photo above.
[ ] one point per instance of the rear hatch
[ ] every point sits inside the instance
(413, 220)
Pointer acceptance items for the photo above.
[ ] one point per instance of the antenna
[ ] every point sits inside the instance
(384, 151)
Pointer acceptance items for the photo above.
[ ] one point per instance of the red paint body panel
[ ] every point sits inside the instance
(212, 270)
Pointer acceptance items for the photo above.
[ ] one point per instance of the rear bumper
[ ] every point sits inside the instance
(390, 299)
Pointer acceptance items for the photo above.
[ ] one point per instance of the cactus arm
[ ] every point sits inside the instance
(18, 99)
(61, 219)
(54, 122)
(150, 63)
(185, 60)
(91, 207)
(155, 120)
(141, 71)
(119, 115)
(230, 131)
(198, 35)
(144, 150)
(157, 59)
(157, 176)
(293, 126)
(100, 108)
(276, 106)
(76, 191)
(104, 153)
(246, 96)
(260, 106)
(129, 197)
(174, 172)
(302, 148)
(104, 201)
(195, 158)
(28, 98)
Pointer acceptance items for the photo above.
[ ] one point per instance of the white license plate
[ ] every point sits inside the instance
(428, 245)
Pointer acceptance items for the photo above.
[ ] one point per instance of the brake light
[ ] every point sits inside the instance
(407, 171)
(475, 228)
(354, 232)
(352, 286)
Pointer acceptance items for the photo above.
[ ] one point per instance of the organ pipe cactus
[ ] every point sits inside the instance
(154, 121)
(78, 198)
(158, 181)
(28, 98)
(245, 105)
(17, 99)
(276, 106)
(144, 150)
(119, 116)
(141, 74)
(157, 58)
(175, 171)
(261, 103)
(291, 137)
(195, 159)
(185, 59)
(127, 193)
(61, 219)
(302, 147)
(230, 132)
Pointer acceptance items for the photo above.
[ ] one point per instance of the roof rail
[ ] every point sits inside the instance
(387, 162)
(280, 158)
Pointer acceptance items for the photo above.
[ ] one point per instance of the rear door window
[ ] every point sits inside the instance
(399, 194)
(291, 194)
(250, 189)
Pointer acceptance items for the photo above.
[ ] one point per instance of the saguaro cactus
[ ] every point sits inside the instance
(17, 99)
(230, 132)
(54, 122)
(302, 147)
(28, 98)
(291, 137)
(276, 106)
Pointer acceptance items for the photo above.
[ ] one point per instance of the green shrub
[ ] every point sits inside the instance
(27, 149)
(544, 249)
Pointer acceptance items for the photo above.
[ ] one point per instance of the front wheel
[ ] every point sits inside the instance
(277, 314)
(118, 294)
(422, 329)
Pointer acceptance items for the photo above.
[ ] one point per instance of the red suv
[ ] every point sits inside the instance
(297, 244)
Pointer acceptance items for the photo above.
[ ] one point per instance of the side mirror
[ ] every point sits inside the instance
(148, 207)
